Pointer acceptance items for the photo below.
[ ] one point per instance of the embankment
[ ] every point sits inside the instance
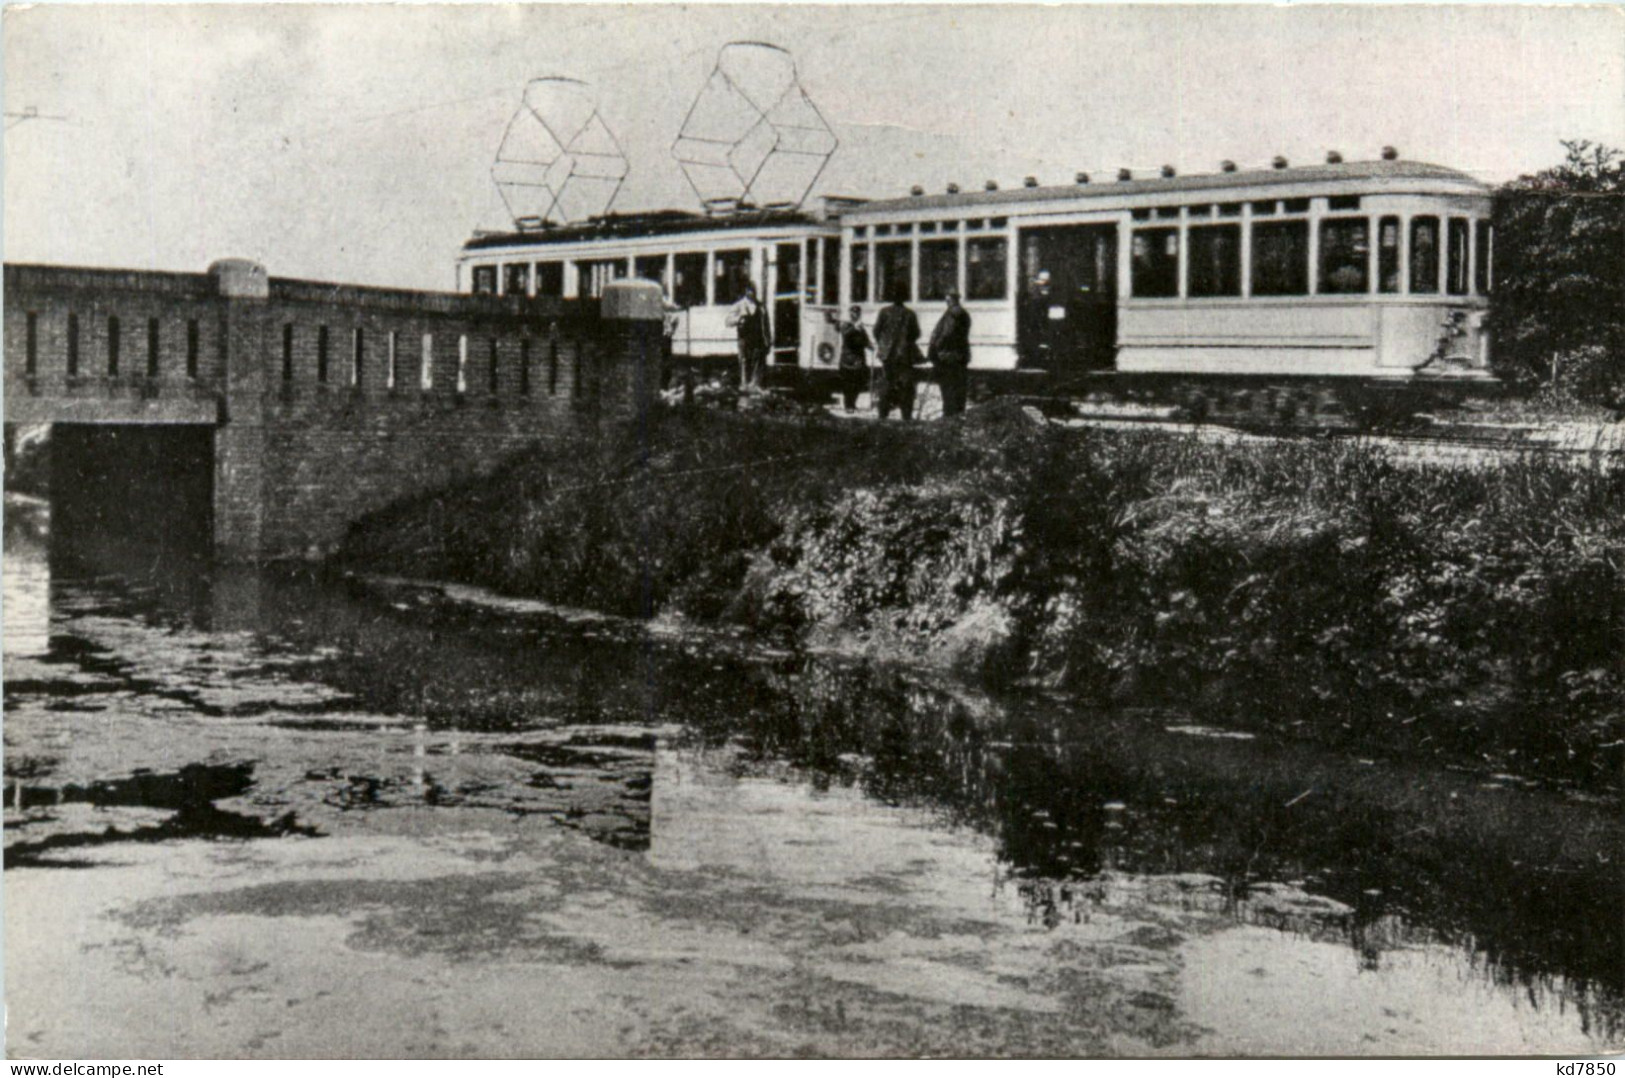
(1306, 590)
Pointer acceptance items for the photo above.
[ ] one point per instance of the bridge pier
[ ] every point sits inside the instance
(240, 440)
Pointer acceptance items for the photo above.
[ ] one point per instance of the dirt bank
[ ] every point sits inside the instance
(1307, 590)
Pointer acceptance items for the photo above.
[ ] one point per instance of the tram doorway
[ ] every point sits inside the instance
(786, 290)
(1067, 313)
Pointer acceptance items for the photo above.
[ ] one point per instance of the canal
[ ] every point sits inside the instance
(280, 814)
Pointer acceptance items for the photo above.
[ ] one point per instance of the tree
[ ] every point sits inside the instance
(1558, 314)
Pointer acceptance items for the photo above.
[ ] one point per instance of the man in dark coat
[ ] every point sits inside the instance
(950, 356)
(855, 347)
(897, 336)
(749, 318)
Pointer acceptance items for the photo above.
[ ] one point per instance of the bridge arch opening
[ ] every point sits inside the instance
(124, 495)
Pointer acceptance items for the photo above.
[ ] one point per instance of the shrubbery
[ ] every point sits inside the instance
(1317, 590)
(1558, 314)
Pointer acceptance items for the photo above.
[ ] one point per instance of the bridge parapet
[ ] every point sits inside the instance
(325, 400)
(95, 345)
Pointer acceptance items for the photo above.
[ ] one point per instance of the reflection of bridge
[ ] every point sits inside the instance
(273, 412)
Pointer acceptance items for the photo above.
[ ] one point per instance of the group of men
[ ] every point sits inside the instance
(896, 346)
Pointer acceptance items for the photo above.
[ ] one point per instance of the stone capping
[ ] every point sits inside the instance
(23, 277)
(239, 278)
(634, 300)
(293, 290)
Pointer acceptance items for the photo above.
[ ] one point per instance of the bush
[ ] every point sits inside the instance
(1302, 589)
(1558, 316)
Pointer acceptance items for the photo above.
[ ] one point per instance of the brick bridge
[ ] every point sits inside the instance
(268, 413)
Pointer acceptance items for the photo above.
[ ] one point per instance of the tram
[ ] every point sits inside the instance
(702, 263)
(1201, 289)
(1295, 278)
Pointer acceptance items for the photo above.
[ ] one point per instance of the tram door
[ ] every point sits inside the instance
(1067, 315)
(786, 288)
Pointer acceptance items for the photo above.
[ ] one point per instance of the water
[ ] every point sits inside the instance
(268, 814)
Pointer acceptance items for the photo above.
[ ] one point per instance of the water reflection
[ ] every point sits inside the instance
(236, 706)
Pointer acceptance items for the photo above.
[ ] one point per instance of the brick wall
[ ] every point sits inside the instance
(312, 429)
(53, 380)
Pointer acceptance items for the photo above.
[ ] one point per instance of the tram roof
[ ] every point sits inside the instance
(1171, 185)
(619, 226)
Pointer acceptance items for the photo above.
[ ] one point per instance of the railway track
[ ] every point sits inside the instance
(1600, 444)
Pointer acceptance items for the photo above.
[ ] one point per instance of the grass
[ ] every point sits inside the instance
(1308, 590)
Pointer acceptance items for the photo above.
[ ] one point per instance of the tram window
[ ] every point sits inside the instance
(1200, 211)
(832, 270)
(1168, 212)
(287, 351)
(1215, 260)
(814, 274)
(1295, 205)
(986, 273)
(592, 276)
(1424, 254)
(999, 222)
(550, 278)
(860, 231)
(905, 230)
(894, 263)
(321, 351)
(860, 273)
(1345, 255)
(1141, 214)
(1343, 202)
(975, 225)
(927, 227)
(939, 268)
(1155, 262)
(651, 268)
(1388, 255)
(485, 280)
(788, 281)
(883, 230)
(1261, 209)
(1456, 279)
(1230, 209)
(1281, 258)
(950, 226)
(732, 273)
(688, 284)
(516, 279)
(1481, 265)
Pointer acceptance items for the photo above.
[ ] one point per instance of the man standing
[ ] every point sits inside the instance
(855, 347)
(950, 356)
(897, 335)
(748, 317)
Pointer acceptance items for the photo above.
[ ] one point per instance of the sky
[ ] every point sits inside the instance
(354, 142)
